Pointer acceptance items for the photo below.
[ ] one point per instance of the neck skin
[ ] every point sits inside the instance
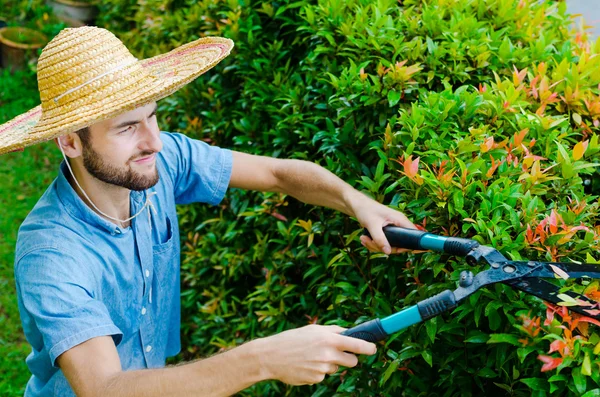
(110, 199)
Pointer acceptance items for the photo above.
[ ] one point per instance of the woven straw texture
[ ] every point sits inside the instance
(86, 75)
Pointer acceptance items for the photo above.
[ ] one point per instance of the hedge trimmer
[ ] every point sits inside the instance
(523, 275)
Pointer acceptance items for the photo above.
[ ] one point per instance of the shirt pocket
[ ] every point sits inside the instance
(163, 256)
(165, 237)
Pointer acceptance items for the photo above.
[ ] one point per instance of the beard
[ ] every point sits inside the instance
(119, 176)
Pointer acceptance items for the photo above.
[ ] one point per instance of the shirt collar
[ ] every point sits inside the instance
(77, 208)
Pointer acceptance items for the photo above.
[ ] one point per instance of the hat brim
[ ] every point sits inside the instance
(167, 72)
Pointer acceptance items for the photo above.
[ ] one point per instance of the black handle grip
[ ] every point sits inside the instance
(371, 331)
(437, 304)
(400, 237)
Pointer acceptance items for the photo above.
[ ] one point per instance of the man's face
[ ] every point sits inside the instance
(122, 150)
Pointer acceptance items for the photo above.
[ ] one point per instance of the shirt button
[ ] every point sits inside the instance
(143, 310)
(147, 273)
(148, 348)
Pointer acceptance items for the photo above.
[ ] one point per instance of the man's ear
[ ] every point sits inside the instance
(71, 144)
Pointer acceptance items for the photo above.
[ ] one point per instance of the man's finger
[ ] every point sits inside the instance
(369, 244)
(380, 240)
(357, 346)
(347, 360)
(335, 328)
(402, 221)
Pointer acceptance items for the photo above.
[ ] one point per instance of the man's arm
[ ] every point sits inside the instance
(94, 369)
(303, 180)
(313, 184)
(298, 356)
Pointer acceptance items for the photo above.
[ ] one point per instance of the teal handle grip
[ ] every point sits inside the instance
(400, 237)
(376, 330)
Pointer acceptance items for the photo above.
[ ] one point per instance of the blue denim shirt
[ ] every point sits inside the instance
(80, 276)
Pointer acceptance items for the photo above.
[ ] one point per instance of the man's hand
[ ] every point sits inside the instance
(374, 216)
(305, 355)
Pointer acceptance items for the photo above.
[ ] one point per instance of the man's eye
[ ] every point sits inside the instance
(125, 130)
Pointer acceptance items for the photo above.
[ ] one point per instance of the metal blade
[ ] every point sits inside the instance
(548, 292)
(574, 270)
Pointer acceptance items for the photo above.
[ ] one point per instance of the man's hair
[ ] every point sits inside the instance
(84, 135)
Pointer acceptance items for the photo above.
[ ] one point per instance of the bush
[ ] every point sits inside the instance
(476, 118)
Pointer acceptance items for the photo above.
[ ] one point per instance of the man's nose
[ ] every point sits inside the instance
(150, 137)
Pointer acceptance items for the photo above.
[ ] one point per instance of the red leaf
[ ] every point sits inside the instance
(549, 362)
(552, 222)
(589, 320)
(557, 346)
(279, 216)
(594, 312)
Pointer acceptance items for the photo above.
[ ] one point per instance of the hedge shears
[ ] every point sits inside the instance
(526, 276)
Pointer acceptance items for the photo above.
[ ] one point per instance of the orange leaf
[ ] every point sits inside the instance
(549, 362)
(362, 74)
(487, 145)
(579, 149)
(411, 169)
(518, 137)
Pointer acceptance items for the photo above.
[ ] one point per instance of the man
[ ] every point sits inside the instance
(97, 259)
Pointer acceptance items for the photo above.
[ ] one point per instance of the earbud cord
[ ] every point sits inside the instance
(147, 204)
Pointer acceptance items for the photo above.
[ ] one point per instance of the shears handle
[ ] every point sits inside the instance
(414, 239)
(376, 330)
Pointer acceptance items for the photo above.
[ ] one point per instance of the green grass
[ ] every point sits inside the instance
(24, 176)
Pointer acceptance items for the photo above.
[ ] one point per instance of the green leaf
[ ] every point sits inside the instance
(494, 319)
(426, 354)
(389, 371)
(479, 337)
(431, 327)
(523, 352)
(394, 97)
(487, 372)
(536, 384)
(592, 393)
(579, 380)
(504, 387)
(586, 367)
(504, 338)
(504, 52)
(567, 300)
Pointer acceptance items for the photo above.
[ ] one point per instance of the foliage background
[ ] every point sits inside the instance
(476, 118)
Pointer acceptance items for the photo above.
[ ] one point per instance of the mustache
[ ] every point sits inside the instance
(142, 155)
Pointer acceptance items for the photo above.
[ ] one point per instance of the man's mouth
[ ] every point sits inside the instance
(145, 160)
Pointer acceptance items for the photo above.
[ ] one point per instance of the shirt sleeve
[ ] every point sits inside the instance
(200, 172)
(57, 295)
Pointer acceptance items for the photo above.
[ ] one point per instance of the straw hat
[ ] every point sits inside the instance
(86, 75)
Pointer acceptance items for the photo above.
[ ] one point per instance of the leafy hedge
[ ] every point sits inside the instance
(476, 118)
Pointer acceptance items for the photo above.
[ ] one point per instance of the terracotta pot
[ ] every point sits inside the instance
(19, 45)
(74, 13)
